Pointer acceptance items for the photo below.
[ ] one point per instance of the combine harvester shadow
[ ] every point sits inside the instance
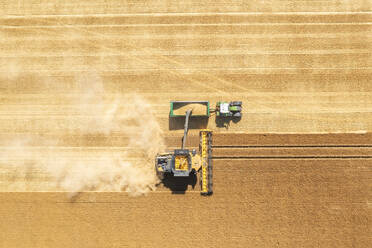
(179, 185)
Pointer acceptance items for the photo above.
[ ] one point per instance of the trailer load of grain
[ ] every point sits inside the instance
(198, 108)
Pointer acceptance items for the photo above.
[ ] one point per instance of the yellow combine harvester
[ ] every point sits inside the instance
(183, 162)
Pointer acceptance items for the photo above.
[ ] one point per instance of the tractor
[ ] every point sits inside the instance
(229, 109)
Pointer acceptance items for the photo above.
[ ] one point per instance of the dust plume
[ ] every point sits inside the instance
(98, 115)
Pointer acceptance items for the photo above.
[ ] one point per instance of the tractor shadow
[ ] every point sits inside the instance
(177, 123)
(179, 185)
(225, 122)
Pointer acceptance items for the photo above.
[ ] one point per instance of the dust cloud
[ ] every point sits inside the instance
(97, 114)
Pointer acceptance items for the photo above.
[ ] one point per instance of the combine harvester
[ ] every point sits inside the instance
(183, 162)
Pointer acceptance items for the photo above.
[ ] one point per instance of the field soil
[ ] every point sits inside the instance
(89, 80)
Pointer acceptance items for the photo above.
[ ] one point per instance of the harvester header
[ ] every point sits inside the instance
(205, 148)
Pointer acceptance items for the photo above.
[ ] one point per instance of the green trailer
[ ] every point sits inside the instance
(198, 108)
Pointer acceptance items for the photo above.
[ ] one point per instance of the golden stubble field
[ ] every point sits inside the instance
(84, 103)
